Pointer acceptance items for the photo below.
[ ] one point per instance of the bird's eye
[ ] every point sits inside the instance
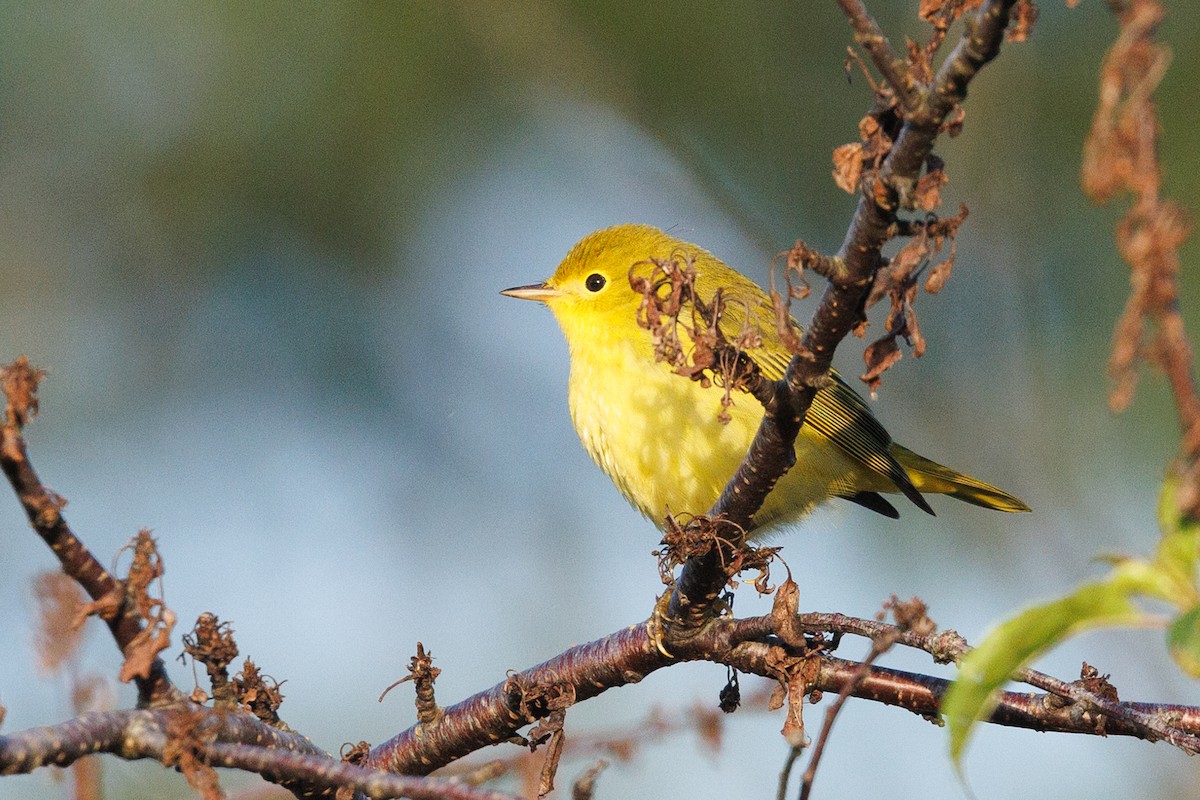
(595, 282)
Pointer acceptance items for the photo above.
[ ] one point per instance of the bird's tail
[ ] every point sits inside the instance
(930, 476)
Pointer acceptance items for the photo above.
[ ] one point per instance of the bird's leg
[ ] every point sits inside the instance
(656, 626)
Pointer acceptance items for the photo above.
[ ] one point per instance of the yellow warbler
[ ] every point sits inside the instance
(658, 436)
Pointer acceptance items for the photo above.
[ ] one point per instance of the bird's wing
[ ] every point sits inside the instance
(837, 412)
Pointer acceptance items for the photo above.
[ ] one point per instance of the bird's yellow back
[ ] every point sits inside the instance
(657, 434)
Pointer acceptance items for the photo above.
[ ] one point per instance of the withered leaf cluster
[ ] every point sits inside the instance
(852, 159)
(158, 620)
(909, 615)
(19, 381)
(211, 643)
(259, 694)
(693, 537)
(1121, 157)
(691, 334)
(899, 281)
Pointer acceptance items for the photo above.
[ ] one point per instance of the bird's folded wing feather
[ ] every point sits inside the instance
(837, 412)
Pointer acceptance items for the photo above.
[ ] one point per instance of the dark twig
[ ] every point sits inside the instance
(948, 646)
(879, 646)
(585, 785)
(922, 694)
(44, 509)
(871, 38)
(496, 714)
(330, 775)
(785, 774)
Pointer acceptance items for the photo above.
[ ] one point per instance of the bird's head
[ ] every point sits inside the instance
(590, 293)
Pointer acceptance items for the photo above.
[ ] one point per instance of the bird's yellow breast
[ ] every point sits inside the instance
(657, 436)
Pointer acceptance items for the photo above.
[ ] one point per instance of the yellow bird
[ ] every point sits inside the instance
(657, 434)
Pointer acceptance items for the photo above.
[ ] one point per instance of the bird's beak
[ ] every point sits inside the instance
(534, 291)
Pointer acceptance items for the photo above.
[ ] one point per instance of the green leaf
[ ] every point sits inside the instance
(1133, 577)
(1016, 642)
(1183, 637)
(1178, 550)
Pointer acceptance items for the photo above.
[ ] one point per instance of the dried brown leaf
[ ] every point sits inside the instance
(910, 615)
(58, 636)
(106, 608)
(912, 331)
(257, 696)
(793, 724)
(19, 381)
(553, 753)
(949, 10)
(145, 647)
(784, 614)
(938, 275)
(92, 693)
(710, 726)
(868, 127)
(778, 697)
(157, 619)
(211, 641)
(848, 166)
(875, 140)
(882, 194)
(585, 785)
(929, 9)
(928, 192)
(879, 356)
(1024, 14)
(1091, 681)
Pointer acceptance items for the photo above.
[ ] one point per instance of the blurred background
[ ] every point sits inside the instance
(258, 249)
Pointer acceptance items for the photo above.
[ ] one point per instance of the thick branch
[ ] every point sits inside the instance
(749, 645)
(922, 695)
(771, 454)
(496, 714)
(220, 739)
(238, 740)
(324, 772)
(136, 733)
(1159, 723)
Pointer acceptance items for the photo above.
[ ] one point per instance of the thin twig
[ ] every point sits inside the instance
(879, 646)
(785, 774)
(44, 509)
(871, 37)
